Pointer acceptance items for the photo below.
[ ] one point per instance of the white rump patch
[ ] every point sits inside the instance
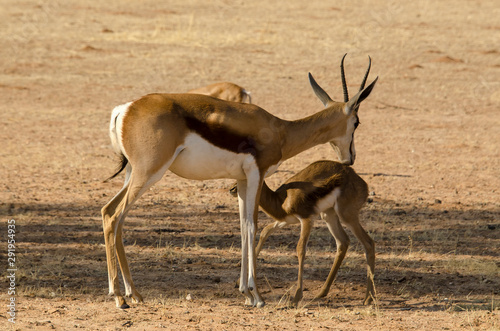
(115, 127)
(328, 201)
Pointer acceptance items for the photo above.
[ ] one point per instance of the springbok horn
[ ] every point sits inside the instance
(344, 84)
(366, 75)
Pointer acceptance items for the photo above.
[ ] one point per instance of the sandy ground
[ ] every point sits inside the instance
(428, 145)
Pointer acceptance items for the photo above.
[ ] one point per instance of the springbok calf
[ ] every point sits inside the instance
(200, 137)
(334, 191)
(225, 91)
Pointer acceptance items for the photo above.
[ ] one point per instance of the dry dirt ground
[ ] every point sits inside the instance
(428, 145)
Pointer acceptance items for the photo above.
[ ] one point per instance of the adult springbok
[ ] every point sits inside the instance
(335, 192)
(200, 137)
(225, 91)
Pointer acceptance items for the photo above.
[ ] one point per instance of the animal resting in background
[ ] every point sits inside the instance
(224, 91)
(200, 137)
(335, 192)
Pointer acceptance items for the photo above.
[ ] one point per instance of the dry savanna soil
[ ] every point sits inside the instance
(428, 146)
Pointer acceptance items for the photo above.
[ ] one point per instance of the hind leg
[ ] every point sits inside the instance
(369, 246)
(342, 240)
(111, 213)
(136, 183)
(130, 290)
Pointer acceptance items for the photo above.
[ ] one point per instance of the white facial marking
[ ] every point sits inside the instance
(344, 145)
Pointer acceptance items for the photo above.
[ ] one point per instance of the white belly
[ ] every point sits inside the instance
(201, 160)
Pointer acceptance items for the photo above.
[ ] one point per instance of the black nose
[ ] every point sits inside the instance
(350, 162)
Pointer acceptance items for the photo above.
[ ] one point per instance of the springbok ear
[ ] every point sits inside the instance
(320, 93)
(356, 100)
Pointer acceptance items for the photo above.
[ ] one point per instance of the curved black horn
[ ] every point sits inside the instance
(366, 75)
(344, 84)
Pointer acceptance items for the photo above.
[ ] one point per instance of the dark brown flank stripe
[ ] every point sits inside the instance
(222, 138)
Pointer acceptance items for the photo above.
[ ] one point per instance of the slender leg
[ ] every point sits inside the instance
(253, 196)
(110, 213)
(118, 226)
(242, 189)
(369, 246)
(305, 231)
(130, 290)
(265, 233)
(248, 195)
(342, 240)
(135, 185)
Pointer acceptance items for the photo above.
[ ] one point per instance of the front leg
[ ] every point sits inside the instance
(244, 243)
(248, 195)
(305, 231)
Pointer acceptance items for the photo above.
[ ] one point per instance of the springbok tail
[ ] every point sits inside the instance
(123, 164)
